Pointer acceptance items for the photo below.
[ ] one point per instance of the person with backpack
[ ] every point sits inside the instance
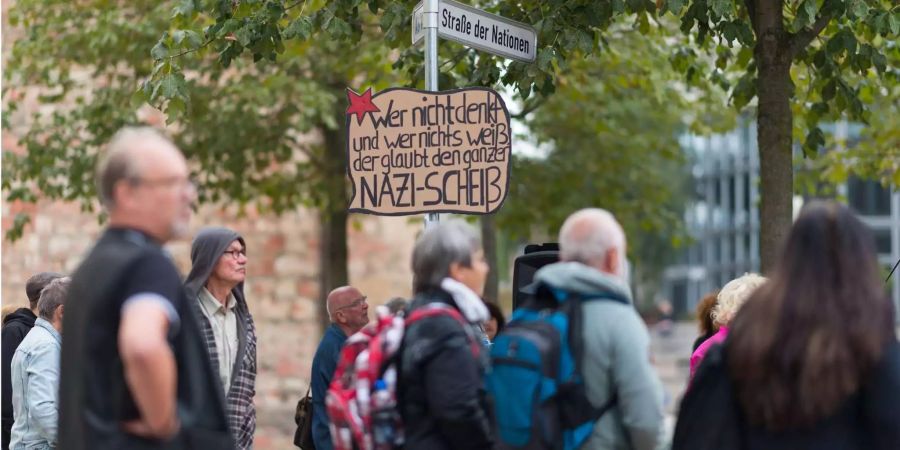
(812, 360)
(349, 312)
(440, 391)
(601, 391)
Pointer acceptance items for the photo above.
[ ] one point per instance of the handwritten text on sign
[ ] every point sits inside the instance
(412, 152)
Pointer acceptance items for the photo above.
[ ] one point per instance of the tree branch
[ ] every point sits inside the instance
(455, 59)
(802, 39)
(751, 11)
(192, 50)
(528, 109)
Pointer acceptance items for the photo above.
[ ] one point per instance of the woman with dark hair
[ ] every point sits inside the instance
(494, 325)
(812, 361)
(704, 319)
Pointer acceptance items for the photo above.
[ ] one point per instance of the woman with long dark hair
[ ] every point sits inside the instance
(812, 361)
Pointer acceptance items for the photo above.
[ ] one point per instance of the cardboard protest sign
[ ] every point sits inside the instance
(413, 152)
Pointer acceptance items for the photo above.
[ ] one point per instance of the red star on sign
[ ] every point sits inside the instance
(360, 104)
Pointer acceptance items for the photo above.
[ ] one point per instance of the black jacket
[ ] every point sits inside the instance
(710, 417)
(441, 386)
(15, 326)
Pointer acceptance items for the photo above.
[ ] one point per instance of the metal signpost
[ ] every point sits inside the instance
(472, 27)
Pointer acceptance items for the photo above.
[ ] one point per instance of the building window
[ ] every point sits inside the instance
(869, 198)
(883, 241)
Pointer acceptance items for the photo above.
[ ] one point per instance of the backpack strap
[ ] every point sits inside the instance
(572, 308)
(439, 309)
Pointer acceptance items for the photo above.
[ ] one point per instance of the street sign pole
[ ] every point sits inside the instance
(471, 27)
(430, 24)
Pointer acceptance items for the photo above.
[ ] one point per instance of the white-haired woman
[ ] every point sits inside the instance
(728, 303)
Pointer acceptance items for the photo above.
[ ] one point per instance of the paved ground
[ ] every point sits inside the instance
(671, 354)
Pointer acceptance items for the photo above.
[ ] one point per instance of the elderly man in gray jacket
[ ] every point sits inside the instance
(616, 343)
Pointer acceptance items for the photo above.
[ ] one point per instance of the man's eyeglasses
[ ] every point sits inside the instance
(167, 182)
(235, 254)
(356, 303)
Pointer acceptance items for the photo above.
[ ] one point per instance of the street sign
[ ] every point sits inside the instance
(479, 29)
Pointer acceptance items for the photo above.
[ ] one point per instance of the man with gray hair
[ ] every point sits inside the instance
(135, 369)
(349, 313)
(616, 362)
(35, 374)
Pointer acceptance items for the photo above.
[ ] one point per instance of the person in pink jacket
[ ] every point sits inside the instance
(729, 301)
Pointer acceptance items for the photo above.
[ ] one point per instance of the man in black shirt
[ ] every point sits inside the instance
(15, 326)
(135, 372)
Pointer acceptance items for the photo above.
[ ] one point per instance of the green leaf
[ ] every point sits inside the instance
(175, 109)
(744, 56)
(160, 50)
(894, 22)
(743, 92)
(880, 62)
(177, 36)
(544, 59)
(721, 7)
(184, 8)
(245, 36)
(300, 28)
(643, 23)
(810, 7)
(585, 41)
(172, 85)
(193, 39)
(815, 140)
(675, 6)
(139, 98)
(829, 90)
(859, 9)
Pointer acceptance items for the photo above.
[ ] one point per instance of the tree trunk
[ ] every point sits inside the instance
(774, 131)
(489, 243)
(333, 216)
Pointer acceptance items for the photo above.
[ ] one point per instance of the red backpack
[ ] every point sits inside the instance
(362, 397)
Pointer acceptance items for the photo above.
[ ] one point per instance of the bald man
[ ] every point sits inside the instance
(616, 364)
(349, 313)
(135, 372)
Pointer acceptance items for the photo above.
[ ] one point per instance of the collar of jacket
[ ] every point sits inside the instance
(40, 322)
(565, 278)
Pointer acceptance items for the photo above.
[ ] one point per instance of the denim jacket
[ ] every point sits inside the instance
(35, 388)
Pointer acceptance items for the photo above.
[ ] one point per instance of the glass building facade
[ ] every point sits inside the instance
(723, 216)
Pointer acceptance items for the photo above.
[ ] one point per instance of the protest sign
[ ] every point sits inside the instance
(413, 152)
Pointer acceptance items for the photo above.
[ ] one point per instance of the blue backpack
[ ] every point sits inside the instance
(535, 379)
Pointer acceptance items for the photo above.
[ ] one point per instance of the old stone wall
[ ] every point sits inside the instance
(281, 283)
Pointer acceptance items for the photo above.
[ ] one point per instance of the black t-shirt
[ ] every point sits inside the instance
(152, 274)
(94, 395)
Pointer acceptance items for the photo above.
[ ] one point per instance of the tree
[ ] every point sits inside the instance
(242, 124)
(838, 44)
(759, 40)
(611, 132)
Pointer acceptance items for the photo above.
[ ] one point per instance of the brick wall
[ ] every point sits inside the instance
(281, 283)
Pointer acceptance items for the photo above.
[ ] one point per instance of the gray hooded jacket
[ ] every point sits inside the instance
(209, 245)
(616, 359)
